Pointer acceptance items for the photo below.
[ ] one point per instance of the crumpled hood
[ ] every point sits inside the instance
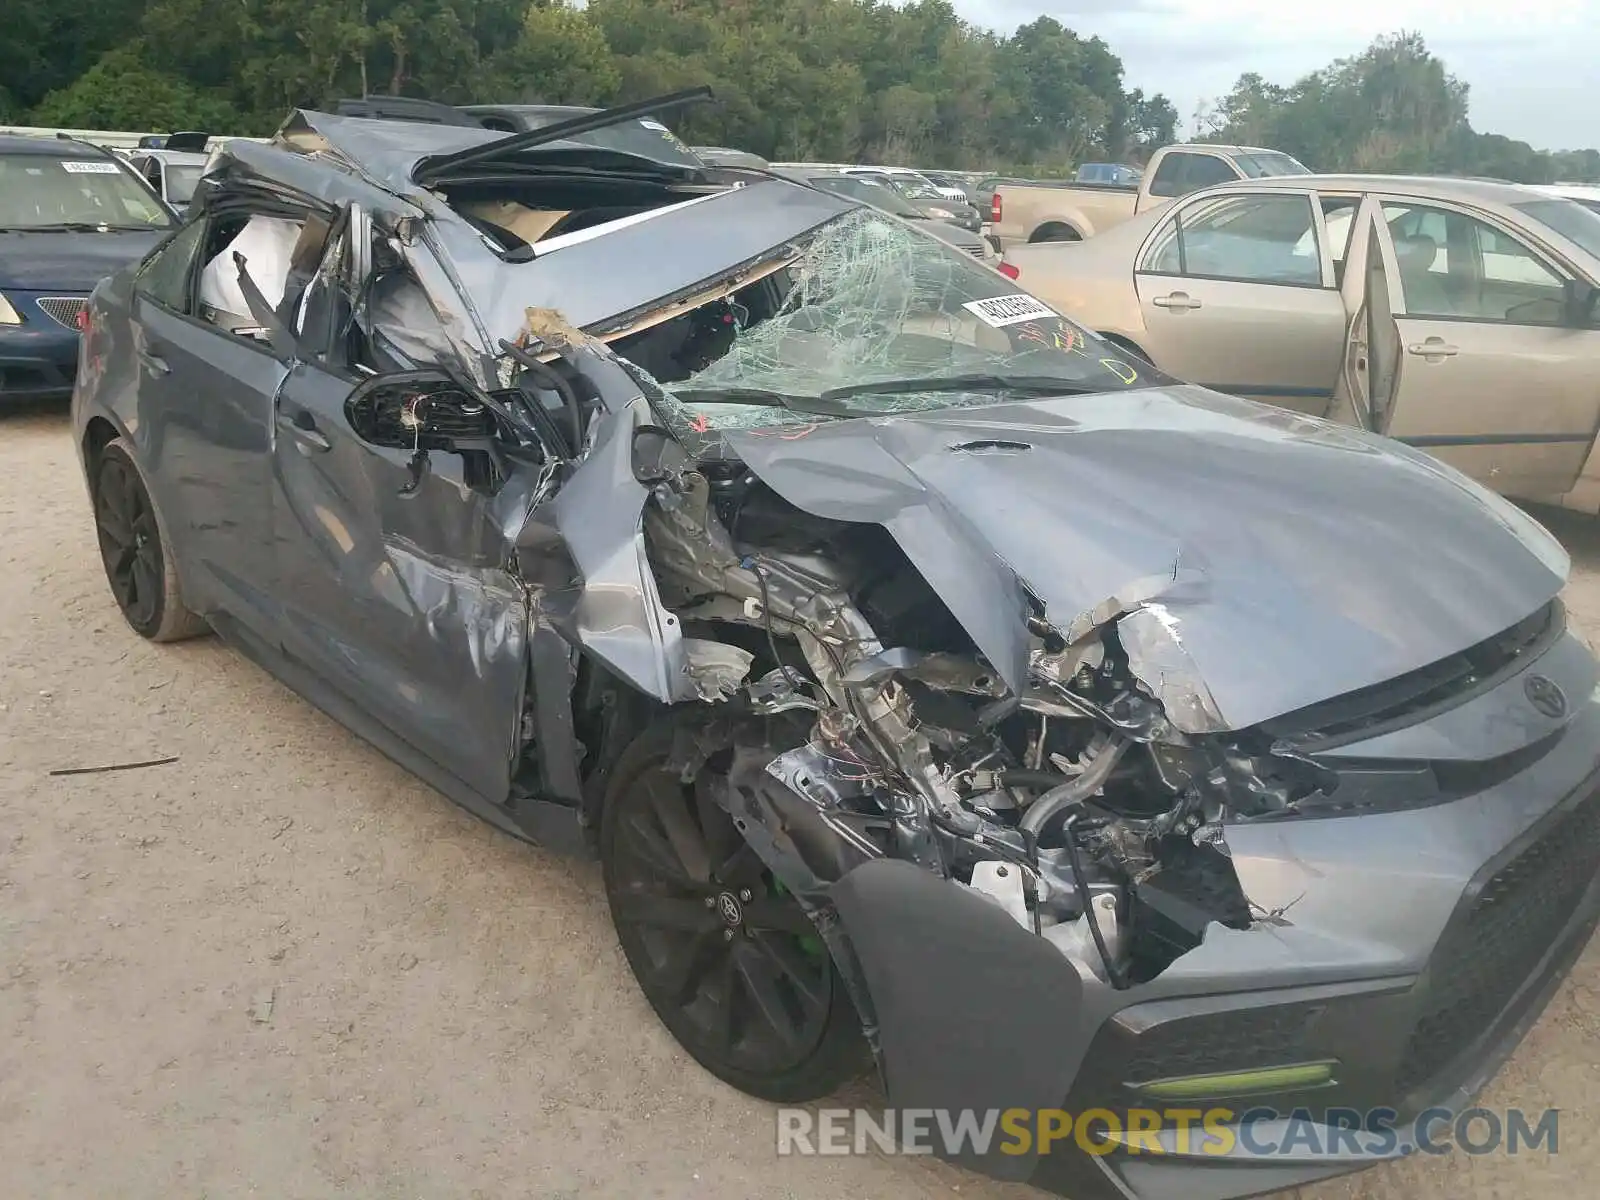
(1265, 560)
(69, 262)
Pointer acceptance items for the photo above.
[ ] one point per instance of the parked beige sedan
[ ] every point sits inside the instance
(1468, 324)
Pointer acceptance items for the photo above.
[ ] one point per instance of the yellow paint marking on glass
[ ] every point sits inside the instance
(1120, 369)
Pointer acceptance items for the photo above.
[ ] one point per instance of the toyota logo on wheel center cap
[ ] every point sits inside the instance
(728, 906)
(1545, 696)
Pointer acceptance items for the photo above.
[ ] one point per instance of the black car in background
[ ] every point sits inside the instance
(70, 214)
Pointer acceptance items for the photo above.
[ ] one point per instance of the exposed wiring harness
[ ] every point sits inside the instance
(1069, 829)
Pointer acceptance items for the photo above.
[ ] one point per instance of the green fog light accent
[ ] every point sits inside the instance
(1240, 1083)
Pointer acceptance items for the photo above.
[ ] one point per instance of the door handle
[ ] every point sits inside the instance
(1178, 300)
(154, 363)
(303, 428)
(1433, 348)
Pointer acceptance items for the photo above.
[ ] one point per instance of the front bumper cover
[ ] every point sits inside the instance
(38, 358)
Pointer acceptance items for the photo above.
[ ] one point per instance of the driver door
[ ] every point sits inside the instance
(394, 562)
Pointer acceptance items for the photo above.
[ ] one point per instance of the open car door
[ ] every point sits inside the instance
(1498, 342)
(1364, 391)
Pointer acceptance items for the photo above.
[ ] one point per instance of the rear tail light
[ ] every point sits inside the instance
(1009, 270)
(994, 208)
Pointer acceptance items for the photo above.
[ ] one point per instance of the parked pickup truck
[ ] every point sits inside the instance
(1070, 212)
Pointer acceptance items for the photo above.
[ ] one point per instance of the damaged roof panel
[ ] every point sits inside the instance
(615, 271)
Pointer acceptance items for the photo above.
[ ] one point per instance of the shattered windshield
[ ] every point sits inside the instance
(867, 316)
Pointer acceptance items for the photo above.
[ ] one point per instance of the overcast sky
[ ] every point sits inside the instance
(1531, 64)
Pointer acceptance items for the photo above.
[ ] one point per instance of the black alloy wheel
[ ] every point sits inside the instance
(130, 544)
(729, 961)
(137, 561)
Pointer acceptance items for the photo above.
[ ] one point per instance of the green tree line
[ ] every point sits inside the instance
(824, 79)
(846, 80)
(1394, 108)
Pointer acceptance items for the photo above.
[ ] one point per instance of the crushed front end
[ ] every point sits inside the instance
(1108, 730)
(1053, 896)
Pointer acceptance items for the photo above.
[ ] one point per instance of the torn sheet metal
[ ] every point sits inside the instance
(619, 616)
(1272, 542)
(716, 668)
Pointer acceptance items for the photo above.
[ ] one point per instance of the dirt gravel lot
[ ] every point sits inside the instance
(281, 966)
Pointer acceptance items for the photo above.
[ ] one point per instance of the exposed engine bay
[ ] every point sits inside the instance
(1076, 806)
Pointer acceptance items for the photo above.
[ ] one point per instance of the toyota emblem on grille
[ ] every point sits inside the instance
(1545, 696)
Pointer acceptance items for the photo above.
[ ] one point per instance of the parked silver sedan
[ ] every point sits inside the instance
(1468, 326)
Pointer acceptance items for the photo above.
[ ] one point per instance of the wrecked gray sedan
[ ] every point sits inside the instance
(934, 683)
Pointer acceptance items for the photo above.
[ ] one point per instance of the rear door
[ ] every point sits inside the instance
(1236, 292)
(205, 400)
(1492, 377)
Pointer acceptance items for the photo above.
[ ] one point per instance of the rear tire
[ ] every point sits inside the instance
(136, 552)
(728, 959)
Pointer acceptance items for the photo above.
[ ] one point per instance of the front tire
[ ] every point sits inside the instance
(135, 551)
(729, 961)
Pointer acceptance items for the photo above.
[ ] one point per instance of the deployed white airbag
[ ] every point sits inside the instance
(267, 244)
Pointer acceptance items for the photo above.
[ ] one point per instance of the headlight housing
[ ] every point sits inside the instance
(8, 315)
(943, 214)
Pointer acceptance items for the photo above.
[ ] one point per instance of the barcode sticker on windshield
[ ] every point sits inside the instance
(84, 166)
(1008, 310)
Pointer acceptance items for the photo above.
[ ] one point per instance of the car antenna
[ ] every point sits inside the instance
(435, 166)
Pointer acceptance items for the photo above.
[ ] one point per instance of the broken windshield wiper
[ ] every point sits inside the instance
(816, 406)
(1039, 385)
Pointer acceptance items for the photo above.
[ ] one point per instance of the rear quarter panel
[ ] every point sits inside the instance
(1091, 282)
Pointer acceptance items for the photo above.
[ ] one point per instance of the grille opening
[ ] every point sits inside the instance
(63, 310)
(1490, 949)
(1448, 682)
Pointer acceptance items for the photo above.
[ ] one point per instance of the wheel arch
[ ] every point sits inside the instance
(98, 433)
(1055, 230)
